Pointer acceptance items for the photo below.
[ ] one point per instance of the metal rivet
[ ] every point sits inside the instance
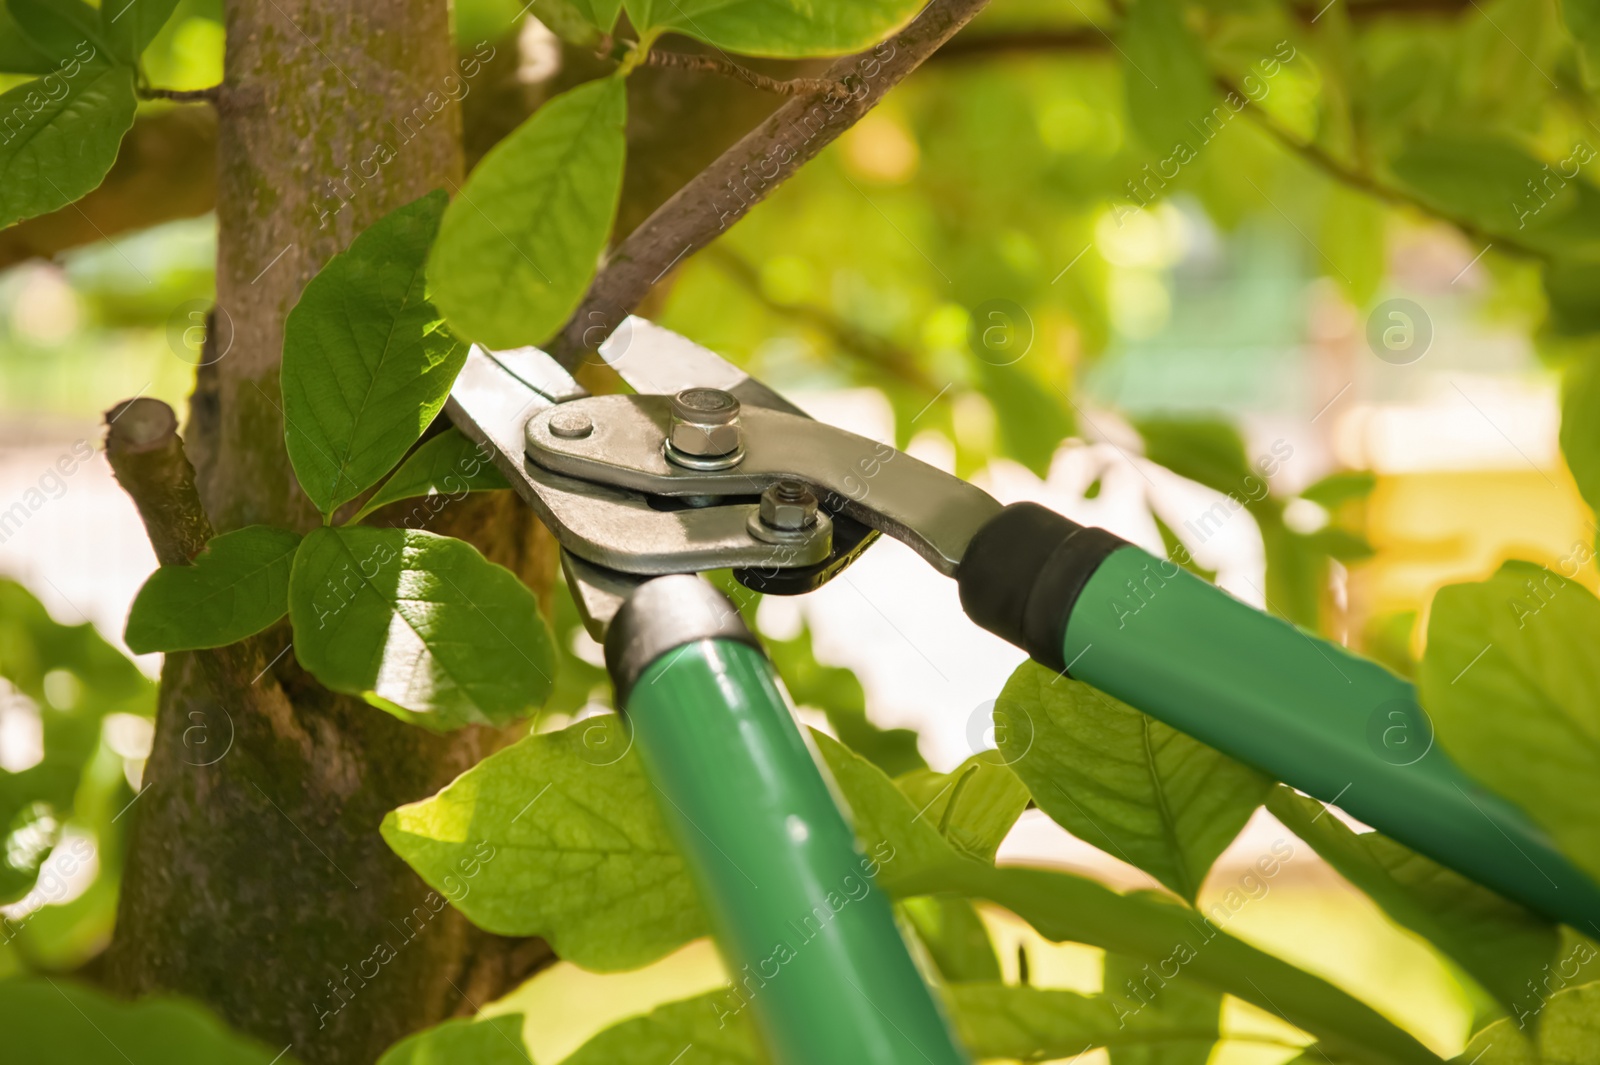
(570, 424)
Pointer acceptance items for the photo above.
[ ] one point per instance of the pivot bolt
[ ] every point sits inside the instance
(788, 506)
(705, 425)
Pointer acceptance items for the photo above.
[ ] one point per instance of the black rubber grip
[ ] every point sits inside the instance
(1022, 575)
(661, 616)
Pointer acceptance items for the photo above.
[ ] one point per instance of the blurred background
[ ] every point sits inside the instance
(1332, 401)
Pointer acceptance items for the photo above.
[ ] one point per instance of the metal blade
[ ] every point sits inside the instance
(538, 371)
(657, 361)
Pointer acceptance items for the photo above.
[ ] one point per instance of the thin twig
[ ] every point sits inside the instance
(1362, 181)
(208, 95)
(748, 172)
(729, 69)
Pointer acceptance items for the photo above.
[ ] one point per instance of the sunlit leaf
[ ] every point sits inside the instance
(1115, 777)
(418, 624)
(1580, 428)
(1192, 1010)
(522, 238)
(973, 806)
(775, 27)
(1567, 1032)
(1511, 683)
(955, 937)
(1500, 944)
(469, 1041)
(571, 844)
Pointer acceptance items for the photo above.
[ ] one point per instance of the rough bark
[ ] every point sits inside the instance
(256, 879)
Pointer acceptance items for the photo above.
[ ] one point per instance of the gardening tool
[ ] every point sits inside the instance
(706, 468)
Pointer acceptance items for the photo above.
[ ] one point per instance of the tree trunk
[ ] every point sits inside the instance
(256, 880)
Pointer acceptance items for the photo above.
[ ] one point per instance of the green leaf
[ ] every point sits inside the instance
(993, 1021)
(1117, 778)
(602, 14)
(54, 1022)
(955, 937)
(697, 1031)
(1501, 188)
(62, 28)
(523, 237)
(838, 693)
(367, 361)
(1206, 450)
(130, 25)
(1167, 80)
(571, 848)
(445, 467)
(467, 1041)
(17, 53)
(1143, 925)
(974, 806)
(75, 679)
(791, 28)
(420, 625)
(579, 853)
(1036, 417)
(1583, 22)
(1570, 289)
(1567, 1033)
(56, 145)
(1339, 488)
(1194, 1010)
(234, 588)
(1033, 1024)
(1498, 943)
(1346, 546)
(1511, 682)
(1580, 427)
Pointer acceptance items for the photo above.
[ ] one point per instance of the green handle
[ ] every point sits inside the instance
(809, 939)
(1336, 726)
(1303, 710)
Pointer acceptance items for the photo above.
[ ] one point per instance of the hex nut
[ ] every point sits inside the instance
(705, 423)
(789, 506)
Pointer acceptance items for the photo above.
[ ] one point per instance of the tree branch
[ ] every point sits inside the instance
(729, 69)
(147, 456)
(1362, 181)
(747, 173)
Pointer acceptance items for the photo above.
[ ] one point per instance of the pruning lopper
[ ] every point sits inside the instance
(706, 468)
